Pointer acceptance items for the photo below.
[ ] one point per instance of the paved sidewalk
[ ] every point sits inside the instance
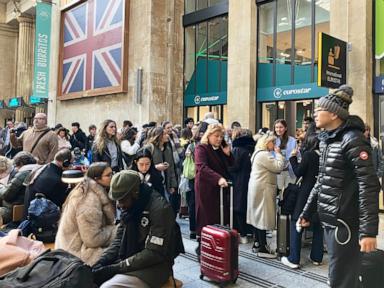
(257, 272)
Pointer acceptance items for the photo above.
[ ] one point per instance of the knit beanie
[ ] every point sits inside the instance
(338, 101)
(124, 183)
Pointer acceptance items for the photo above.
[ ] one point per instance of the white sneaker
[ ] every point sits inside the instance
(288, 263)
(243, 240)
(314, 262)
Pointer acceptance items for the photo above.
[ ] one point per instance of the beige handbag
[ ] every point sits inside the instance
(17, 251)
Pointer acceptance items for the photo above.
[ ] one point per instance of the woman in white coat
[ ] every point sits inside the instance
(262, 190)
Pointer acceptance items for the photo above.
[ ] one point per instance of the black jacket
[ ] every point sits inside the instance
(106, 157)
(159, 239)
(79, 139)
(347, 187)
(243, 148)
(308, 168)
(47, 182)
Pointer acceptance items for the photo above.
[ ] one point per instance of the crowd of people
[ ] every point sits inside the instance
(153, 171)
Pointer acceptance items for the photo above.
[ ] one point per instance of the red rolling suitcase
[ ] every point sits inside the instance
(219, 260)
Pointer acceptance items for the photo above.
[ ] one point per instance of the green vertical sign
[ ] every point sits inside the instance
(42, 47)
(379, 29)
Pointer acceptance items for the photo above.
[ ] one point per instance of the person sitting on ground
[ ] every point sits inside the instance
(148, 238)
(13, 193)
(79, 159)
(149, 175)
(47, 180)
(87, 222)
(7, 170)
(62, 138)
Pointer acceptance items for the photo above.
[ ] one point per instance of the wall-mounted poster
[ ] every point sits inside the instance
(94, 49)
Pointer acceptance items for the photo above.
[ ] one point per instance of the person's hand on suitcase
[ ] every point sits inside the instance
(302, 223)
(368, 244)
(223, 182)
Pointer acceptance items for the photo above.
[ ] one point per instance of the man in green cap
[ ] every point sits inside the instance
(148, 238)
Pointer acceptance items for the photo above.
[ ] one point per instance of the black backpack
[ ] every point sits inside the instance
(44, 217)
(51, 269)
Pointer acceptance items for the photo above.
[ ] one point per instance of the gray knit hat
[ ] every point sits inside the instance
(338, 101)
(123, 183)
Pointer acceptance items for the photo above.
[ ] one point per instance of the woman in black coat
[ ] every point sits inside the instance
(149, 175)
(308, 169)
(106, 147)
(243, 146)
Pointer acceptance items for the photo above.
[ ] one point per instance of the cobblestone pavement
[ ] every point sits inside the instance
(257, 272)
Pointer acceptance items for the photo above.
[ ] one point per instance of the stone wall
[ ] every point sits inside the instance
(158, 53)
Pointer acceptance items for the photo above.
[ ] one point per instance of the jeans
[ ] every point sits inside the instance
(261, 237)
(295, 243)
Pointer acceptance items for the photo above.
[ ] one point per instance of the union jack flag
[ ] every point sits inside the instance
(92, 45)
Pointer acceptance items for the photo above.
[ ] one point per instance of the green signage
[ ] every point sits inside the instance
(332, 61)
(42, 47)
(379, 28)
(290, 92)
(14, 102)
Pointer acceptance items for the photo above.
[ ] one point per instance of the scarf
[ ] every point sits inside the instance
(131, 220)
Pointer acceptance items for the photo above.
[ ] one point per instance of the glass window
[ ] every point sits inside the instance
(283, 43)
(201, 58)
(303, 49)
(189, 6)
(265, 46)
(215, 2)
(201, 4)
(189, 59)
(322, 9)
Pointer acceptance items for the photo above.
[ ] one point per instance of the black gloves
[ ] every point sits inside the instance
(102, 274)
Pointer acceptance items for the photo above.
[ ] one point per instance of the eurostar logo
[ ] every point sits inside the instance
(197, 99)
(277, 93)
(44, 15)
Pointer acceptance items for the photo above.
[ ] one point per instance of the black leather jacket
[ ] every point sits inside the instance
(347, 187)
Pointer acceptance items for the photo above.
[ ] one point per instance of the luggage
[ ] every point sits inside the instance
(220, 248)
(17, 251)
(372, 269)
(283, 237)
(44, 217)
(52, 269)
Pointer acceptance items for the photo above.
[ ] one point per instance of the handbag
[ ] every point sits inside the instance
(289, 200)
(189, 169)
(17, 251)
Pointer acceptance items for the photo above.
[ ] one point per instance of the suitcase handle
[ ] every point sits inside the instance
(23, 277)
(230, 184)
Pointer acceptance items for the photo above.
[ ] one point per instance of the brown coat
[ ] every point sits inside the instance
(211, 165)
(87, 223)
(46, 148)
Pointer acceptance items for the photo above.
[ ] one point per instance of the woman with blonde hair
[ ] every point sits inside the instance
(106, 147)
(7, 171)
(87, 222)
(262, 190)
(212, 159)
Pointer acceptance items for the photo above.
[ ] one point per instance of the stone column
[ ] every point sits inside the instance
(25, 61)
(351, 21)
(242, 63)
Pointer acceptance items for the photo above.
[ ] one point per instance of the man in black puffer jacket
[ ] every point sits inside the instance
(347, 189)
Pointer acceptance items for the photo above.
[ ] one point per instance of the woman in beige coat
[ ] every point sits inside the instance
(87, 222)
(261, 208)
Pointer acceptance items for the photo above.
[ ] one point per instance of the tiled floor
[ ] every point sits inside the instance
(256, 272)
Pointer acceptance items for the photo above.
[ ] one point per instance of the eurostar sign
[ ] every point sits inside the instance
(290, 92)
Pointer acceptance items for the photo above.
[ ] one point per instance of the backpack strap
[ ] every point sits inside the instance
(38, 139)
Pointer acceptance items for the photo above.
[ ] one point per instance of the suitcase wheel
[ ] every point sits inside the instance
(201, 276)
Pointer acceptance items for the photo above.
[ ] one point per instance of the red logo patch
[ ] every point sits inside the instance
(363, 155)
